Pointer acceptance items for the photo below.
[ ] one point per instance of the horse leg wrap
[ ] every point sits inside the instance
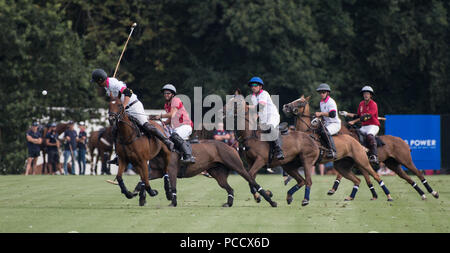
(416, 187)
(385, 189)
(425, 183)
(142, 195)
(336, 184)
(150, 191)
(230, 199)
(307, 191)
(166, 182)
(354, 191)
(372, 189)
(294, 189)
(123, 188)
(252, 189)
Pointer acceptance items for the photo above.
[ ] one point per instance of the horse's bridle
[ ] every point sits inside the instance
(119, 116)
(300, 116)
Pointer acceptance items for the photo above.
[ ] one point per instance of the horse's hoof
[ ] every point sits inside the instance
(305, 202)
(257, 198)
(289, 199)
(348, 199)
(435, 194)
(373, 198)
(424, 197)
(390, 199)
(269, 193)
(173, 204)
(142, 202)
(153, 193)
(131, 195)
(273, 204)
(226, 205)
(331, 192)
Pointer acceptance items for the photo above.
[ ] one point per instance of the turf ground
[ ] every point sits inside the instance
(83, 204)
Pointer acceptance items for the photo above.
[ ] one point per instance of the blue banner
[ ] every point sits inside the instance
(423, 135)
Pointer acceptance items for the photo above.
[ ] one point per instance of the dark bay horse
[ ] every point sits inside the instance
(217, 158)
(135, 148)
(60, 128)
(349, 153)
(394, 153)
(103, 144)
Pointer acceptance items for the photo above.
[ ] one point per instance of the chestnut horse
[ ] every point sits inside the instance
(394, 153)
(103, 144)
(135, 148)
(349, 153)
(216, 157)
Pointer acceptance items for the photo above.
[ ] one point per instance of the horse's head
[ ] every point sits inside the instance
(235, 107)
(115, 111)
(297, 107)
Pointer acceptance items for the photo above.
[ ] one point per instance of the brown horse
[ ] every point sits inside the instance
(299, 149)
(60, 128)
(349, 152)
(103, 144)
(216, 157)
(394, 153)
(134, 148)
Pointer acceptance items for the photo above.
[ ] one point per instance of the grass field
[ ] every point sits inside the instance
(83, 204)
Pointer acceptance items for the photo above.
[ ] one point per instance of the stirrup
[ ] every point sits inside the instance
(279, 155)
(115, 161)
(188, 159)
(331, 154)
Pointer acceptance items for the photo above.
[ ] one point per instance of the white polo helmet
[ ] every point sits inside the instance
(169, 87)
(367, 88)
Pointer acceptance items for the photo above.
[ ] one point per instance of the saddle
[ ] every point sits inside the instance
(134, 121)
(362, 139)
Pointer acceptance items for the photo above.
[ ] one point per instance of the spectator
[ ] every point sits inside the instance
(34, 149)
(222, 135)
(81, 140)
(70, 147)
(52, 144)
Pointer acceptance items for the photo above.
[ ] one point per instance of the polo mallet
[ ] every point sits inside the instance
(123, 51)
(114, 75)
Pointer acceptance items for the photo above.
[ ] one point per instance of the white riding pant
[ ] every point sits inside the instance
(137, 111)
(370, 129)
(184, 131)
(333, 128)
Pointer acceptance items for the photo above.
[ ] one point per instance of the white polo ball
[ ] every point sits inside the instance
(44, 92)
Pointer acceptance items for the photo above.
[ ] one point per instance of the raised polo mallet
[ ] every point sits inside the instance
(126, 43)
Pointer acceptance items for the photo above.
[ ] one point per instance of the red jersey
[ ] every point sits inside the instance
(181, 117)
(372, 109)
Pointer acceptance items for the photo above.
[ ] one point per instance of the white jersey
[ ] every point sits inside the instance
(269, 115)
(114, 86)
(329, 105)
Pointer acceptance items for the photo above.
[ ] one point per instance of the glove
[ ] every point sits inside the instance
(366, 117)
(343, 113)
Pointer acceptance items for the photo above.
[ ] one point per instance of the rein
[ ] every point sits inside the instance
(120, 117)
(303, 104)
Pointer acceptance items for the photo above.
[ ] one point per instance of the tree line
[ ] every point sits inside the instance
(399, 47)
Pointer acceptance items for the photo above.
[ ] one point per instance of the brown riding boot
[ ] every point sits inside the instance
(372, 143)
